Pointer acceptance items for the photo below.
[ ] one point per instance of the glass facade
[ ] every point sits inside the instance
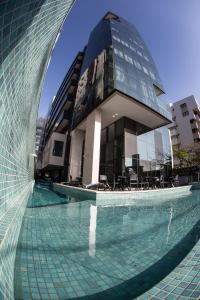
(135, 72)
(117, 59)
(28, 31)
(123, 149)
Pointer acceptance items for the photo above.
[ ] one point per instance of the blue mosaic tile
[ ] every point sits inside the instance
(131, 251)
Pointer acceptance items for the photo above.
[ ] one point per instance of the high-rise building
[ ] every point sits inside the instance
(118, 118)
(56, 139)
(28, 32)
(185, 129)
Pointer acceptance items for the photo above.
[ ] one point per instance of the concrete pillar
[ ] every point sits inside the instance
(92, 148)
(77, 138)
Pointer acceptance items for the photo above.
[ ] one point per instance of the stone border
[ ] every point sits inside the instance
(124, 195)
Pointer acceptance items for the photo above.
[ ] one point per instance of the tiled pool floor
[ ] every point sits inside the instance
(77, 250)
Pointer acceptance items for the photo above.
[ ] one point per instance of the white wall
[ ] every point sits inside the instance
(48, 157)
(77, 138)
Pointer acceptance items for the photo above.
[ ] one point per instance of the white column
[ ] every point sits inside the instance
(92, 148)
(77, 138)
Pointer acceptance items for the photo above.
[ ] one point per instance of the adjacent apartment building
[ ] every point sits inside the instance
(56, 137)
(40, 125)
(116, 121)
(185, 129)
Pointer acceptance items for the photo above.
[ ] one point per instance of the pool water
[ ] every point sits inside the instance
(71, 248)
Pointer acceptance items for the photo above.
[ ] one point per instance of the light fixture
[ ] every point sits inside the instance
(115, 115)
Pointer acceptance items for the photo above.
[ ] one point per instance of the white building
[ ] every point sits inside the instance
(185, 129)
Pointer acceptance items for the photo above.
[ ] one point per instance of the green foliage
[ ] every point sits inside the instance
(188, 157)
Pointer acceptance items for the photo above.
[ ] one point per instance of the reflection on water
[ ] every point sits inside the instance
(92, 230)
(170, 221)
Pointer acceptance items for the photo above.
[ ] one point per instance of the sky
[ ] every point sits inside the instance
(170, 29)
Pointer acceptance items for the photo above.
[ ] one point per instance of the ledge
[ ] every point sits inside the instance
(126, 196)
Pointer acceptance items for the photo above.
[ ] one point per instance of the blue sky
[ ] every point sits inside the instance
(171, 30)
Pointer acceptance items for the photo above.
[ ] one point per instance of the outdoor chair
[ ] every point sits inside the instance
(175, 181)
(79, 181)
(123, 183)
(133, 181)
(152, 182)
(115, 184)
(164, 183)
(103, 182)
(144, 184)
(92, 186)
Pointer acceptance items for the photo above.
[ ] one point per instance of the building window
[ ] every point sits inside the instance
(138, 65)
(185, 113)
(140, 45)
(174, 119)
(183, 105)
(144, 88)
(152, 75)
(124, 43)
(118, 52)
(128, 58)
(132, 48)
(58, 148)
(114, 29)
(145, 70)
(139, 53)
(192, 121)
(197, 140)
(194, 130)
(119, 74)
(116, 38)
(151, 93)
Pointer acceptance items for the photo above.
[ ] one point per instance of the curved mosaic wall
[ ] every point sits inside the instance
(28, 32)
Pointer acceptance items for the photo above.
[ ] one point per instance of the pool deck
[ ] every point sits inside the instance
(124, 195)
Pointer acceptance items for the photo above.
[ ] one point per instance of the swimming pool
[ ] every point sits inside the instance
(69, 248)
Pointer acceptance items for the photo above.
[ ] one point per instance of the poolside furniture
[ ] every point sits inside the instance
(103, 182)
(92, 186)
(79, 180)
(76, 182)
(123, 182)
(175, 181)
(115, 184)
(65, 182)
(143, 183)
(133, 181)
(153, 181)
(101, 185)
(165, 183)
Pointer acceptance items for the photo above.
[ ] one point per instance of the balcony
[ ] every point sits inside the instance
(63, 121)
(196, 135)
(175, 140)
(174, 133)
